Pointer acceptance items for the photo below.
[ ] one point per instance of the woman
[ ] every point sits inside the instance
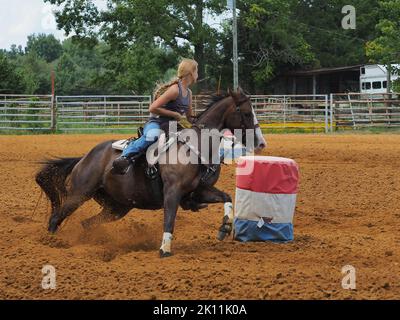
(172, 102)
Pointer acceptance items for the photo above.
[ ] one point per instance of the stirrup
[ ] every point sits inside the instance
(121, 170)
(151, 172)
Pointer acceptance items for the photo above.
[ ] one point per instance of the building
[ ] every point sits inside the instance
(333, 80)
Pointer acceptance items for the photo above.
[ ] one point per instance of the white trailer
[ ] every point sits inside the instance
(373, 78)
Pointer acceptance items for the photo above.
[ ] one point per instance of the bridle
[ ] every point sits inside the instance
(237, 105)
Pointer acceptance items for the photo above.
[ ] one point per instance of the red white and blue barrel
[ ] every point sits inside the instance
(265, 201)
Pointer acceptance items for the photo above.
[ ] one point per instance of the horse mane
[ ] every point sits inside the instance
(213, 100)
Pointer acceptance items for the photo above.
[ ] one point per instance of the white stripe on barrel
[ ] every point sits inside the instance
(265, 201)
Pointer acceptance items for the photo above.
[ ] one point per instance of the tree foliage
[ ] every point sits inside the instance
(132, 44)
(178, 24)
(385, 48)
(45, 46)
(11, 81)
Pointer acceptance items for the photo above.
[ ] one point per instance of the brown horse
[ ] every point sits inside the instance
(183, 185)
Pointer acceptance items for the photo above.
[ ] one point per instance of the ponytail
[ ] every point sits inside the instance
(162, 87)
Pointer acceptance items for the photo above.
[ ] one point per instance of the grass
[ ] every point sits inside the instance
(273, 128)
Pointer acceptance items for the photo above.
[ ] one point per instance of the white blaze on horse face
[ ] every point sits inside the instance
(261, 143)
(166, 242)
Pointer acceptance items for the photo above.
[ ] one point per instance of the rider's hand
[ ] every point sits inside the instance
(177, 116)
(185, 123)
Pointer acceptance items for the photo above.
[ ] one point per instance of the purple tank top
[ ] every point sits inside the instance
(180, 105)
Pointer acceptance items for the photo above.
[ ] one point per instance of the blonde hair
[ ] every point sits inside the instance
(186, 67)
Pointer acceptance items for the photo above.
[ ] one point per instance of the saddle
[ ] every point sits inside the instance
(122, 144)
(151, 170)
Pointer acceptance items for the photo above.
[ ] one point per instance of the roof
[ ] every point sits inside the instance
(324, 70)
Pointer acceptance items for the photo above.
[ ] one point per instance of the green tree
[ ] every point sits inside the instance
(270, 42)
(385, 48)
(321, 24)
(36, 73)
(11, 81)
(15, 51)
(45, 46)
(78, 68)
(178, 24)
(136, 69)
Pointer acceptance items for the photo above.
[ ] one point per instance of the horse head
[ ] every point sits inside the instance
(242, 116)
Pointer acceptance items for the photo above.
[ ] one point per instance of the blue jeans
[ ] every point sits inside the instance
(151, 132)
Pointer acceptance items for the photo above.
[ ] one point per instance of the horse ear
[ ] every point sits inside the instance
(229, 91)
(240, 91)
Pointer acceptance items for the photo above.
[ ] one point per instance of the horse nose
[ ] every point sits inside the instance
(261, 146)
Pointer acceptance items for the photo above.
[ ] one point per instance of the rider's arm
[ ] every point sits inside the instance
(169, 95)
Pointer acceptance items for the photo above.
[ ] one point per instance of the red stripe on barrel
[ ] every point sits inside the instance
(268, 175)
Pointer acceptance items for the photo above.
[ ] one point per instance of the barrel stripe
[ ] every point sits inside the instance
(255, 205)
(270, 175)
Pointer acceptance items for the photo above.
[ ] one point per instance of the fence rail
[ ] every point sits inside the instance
(123, 112)
(101, 112)
(288, 111)
(26, 112)
(359, 110)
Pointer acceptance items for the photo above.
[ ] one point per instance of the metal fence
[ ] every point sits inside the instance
(27, 112)
(101, 112)
(292, 111)
(284, 111)
(359, 110)
(113, 113)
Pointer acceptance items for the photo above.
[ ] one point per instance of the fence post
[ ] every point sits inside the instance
(326, 113)
(53, 127)
(284, 111)
(331, 112)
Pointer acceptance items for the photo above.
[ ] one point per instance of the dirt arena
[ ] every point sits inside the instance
(348, 212)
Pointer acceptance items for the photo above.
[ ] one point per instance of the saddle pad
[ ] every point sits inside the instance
(120, 145)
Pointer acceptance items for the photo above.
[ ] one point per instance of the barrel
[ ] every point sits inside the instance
(265, 200)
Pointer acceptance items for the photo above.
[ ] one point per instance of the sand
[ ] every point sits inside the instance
(347, 213)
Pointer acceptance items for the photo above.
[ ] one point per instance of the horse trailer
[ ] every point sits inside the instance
(373, 78)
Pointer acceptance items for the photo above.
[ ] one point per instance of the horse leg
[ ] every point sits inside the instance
(172, 199)
(106, 215)
(77, 194)
(210, 194)
(72, 202)
(110, 212)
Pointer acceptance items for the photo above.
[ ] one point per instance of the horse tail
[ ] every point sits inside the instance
(51, 178)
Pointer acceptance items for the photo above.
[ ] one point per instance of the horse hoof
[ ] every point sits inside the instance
(221, 235)
(165, 254)
(52, 229)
